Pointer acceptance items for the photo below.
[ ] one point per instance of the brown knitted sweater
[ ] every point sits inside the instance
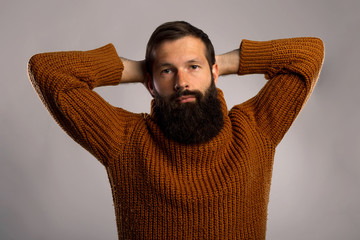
(165, 190)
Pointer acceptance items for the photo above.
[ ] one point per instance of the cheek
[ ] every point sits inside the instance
(205, 84)
(164, 88)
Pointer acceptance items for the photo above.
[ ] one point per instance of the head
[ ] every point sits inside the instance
(172, 31)
(182, 74)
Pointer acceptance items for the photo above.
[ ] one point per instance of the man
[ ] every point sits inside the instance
(190, 169)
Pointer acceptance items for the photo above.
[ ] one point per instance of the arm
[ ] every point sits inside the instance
(292, 67)
(228, 63)
(64, 82)
(134, 71)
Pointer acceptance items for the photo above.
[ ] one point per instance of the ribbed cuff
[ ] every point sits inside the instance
(255, 57)
(106, 65)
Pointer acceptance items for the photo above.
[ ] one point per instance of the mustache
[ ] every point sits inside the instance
(180, 93)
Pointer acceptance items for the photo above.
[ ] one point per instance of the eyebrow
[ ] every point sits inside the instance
(166, 64)
(194, 60)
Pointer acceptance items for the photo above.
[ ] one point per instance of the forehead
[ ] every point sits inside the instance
(185, 48)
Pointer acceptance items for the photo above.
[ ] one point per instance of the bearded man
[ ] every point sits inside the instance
(190, 169)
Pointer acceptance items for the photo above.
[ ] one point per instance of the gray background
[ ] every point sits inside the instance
(50, 188)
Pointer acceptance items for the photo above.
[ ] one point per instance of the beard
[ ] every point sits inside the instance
(191, 122)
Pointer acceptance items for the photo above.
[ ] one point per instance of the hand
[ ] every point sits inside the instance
(228, 63)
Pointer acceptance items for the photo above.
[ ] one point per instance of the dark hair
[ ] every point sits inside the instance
(172, 31)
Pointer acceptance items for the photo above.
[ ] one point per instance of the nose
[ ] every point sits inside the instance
(181, 81)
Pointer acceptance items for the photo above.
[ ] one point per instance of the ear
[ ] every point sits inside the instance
(150, 84)
(215, 72)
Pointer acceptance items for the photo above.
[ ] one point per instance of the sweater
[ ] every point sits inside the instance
(166, 190)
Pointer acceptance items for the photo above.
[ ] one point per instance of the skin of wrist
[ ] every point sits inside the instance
(229, 62)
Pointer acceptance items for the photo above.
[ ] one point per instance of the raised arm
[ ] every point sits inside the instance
(134, 71)
(228, 63)
(64, 82)
(292, 67)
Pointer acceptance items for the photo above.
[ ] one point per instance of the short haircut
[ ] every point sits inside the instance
(172, 31)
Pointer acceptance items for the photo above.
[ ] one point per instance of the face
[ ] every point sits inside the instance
(181, 65)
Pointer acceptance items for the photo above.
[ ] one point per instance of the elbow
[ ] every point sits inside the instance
(318, 56)
(316, 53)
(34, 64)
(319, 51)
(31, 68)
(39, 65)
(310, 58)
(36, 70)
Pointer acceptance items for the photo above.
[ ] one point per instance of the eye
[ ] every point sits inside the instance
(194, 67)
(166, 71)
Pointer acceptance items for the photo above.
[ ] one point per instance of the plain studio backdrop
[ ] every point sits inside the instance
(51, 188)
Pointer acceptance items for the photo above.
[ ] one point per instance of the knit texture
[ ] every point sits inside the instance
(166, 190)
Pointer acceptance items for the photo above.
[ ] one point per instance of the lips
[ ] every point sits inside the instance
(186, 98)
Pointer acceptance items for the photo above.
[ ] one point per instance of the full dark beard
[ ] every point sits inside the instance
(192, 122)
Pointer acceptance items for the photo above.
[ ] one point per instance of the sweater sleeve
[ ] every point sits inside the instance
(64, 82)
(292, 67)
